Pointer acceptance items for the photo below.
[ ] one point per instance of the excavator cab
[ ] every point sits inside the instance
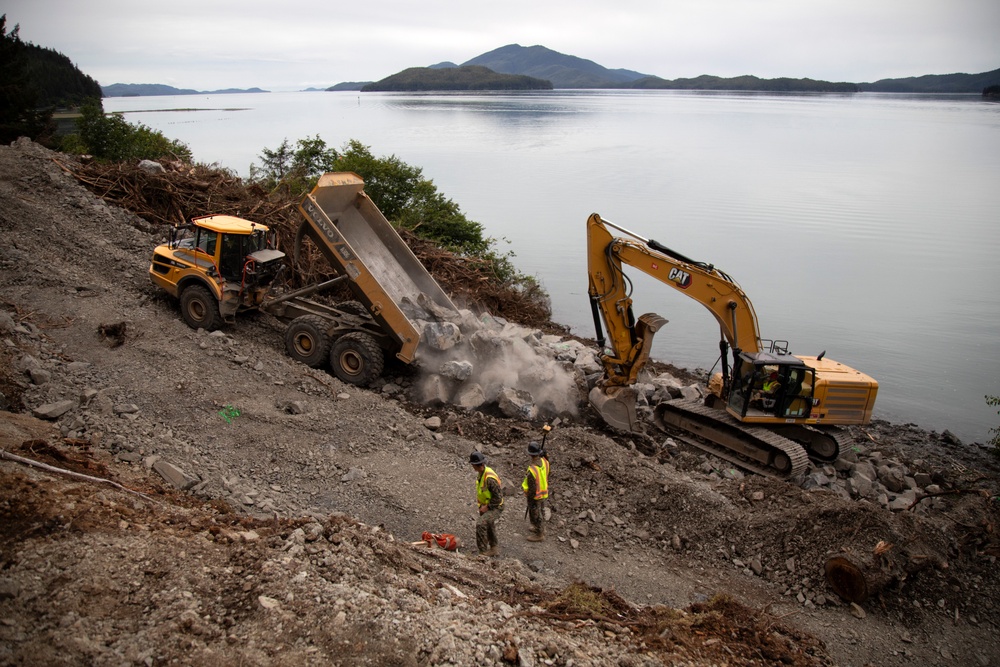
(771, 386)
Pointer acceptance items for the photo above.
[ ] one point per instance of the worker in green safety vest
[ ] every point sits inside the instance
(536, 490)
(489, 498)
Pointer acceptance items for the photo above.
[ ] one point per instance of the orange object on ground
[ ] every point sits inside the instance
(446, 541)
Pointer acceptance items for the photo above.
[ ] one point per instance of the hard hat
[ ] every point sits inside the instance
(477, 458)
(534, 449)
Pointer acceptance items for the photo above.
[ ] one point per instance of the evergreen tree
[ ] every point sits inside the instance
(19, 115)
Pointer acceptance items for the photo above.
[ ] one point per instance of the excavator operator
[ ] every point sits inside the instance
(766, 394)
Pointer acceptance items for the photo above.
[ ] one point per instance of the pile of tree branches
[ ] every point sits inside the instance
(184, 191)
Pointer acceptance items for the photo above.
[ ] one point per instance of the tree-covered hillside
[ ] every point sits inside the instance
(936, 83)
(58, 82)
(744, 83)
(34, 81)
(456, 78)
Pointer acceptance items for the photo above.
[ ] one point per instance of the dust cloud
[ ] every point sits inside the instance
(468, 360)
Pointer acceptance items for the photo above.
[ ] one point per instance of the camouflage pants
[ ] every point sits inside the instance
(535, 515)
(486, 529)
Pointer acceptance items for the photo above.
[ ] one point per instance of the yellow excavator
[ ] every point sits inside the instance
(768, 411)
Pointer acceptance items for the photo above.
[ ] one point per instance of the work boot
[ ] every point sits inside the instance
(536, 537)
(493, 551)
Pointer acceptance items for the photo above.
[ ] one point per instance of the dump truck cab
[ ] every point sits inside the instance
(217, 265)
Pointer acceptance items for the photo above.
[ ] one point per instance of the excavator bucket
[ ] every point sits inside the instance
(616, 405)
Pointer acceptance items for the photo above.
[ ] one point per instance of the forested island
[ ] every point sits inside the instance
(468, 77)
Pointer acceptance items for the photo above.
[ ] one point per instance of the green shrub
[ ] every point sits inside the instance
(296, 171)
(110, 138)
(400, 191)
(994, 442)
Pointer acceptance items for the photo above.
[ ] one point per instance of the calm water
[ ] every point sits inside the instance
(864, 225)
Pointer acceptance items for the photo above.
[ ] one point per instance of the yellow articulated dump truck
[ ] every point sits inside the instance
(219, 266)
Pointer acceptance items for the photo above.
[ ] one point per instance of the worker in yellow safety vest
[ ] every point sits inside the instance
(536, 490)
(489, 498)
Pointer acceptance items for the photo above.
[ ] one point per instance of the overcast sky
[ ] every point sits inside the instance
(291, 45)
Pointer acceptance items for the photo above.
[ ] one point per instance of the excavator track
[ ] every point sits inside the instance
(823, 445)
(760, 450)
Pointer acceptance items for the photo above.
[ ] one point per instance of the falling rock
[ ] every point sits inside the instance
(456, 370)
(517, 403)
(433, 423)
(470, 397)
(432, 390)
(52, 411)
(441, 335)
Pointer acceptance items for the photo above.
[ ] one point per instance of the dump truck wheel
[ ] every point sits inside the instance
(200, 309)
(356, 358)
(306, 340)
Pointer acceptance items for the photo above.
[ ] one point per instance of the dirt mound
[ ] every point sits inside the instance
(245, 509)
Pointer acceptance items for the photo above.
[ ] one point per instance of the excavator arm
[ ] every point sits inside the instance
(609, 290)
(626, 349)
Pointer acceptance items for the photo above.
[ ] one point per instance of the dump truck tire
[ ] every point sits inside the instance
(200, 309)
(356, 358)
(306, 340)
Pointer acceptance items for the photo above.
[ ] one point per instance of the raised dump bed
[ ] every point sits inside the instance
(383, 272)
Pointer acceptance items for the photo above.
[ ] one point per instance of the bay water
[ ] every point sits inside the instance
(865, 225)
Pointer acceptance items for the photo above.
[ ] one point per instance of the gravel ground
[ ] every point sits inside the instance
(256, 511)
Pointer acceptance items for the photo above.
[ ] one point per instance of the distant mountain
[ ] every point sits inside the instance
(151, 89)
(466, 77)
(349, 85)
(562, 70)
(936, 83)
(445, 65)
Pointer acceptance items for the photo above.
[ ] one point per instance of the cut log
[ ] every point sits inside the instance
(856, 576)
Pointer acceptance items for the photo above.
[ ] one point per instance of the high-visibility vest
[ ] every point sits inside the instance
(770, 386)
(541, 475)
(483, 494)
